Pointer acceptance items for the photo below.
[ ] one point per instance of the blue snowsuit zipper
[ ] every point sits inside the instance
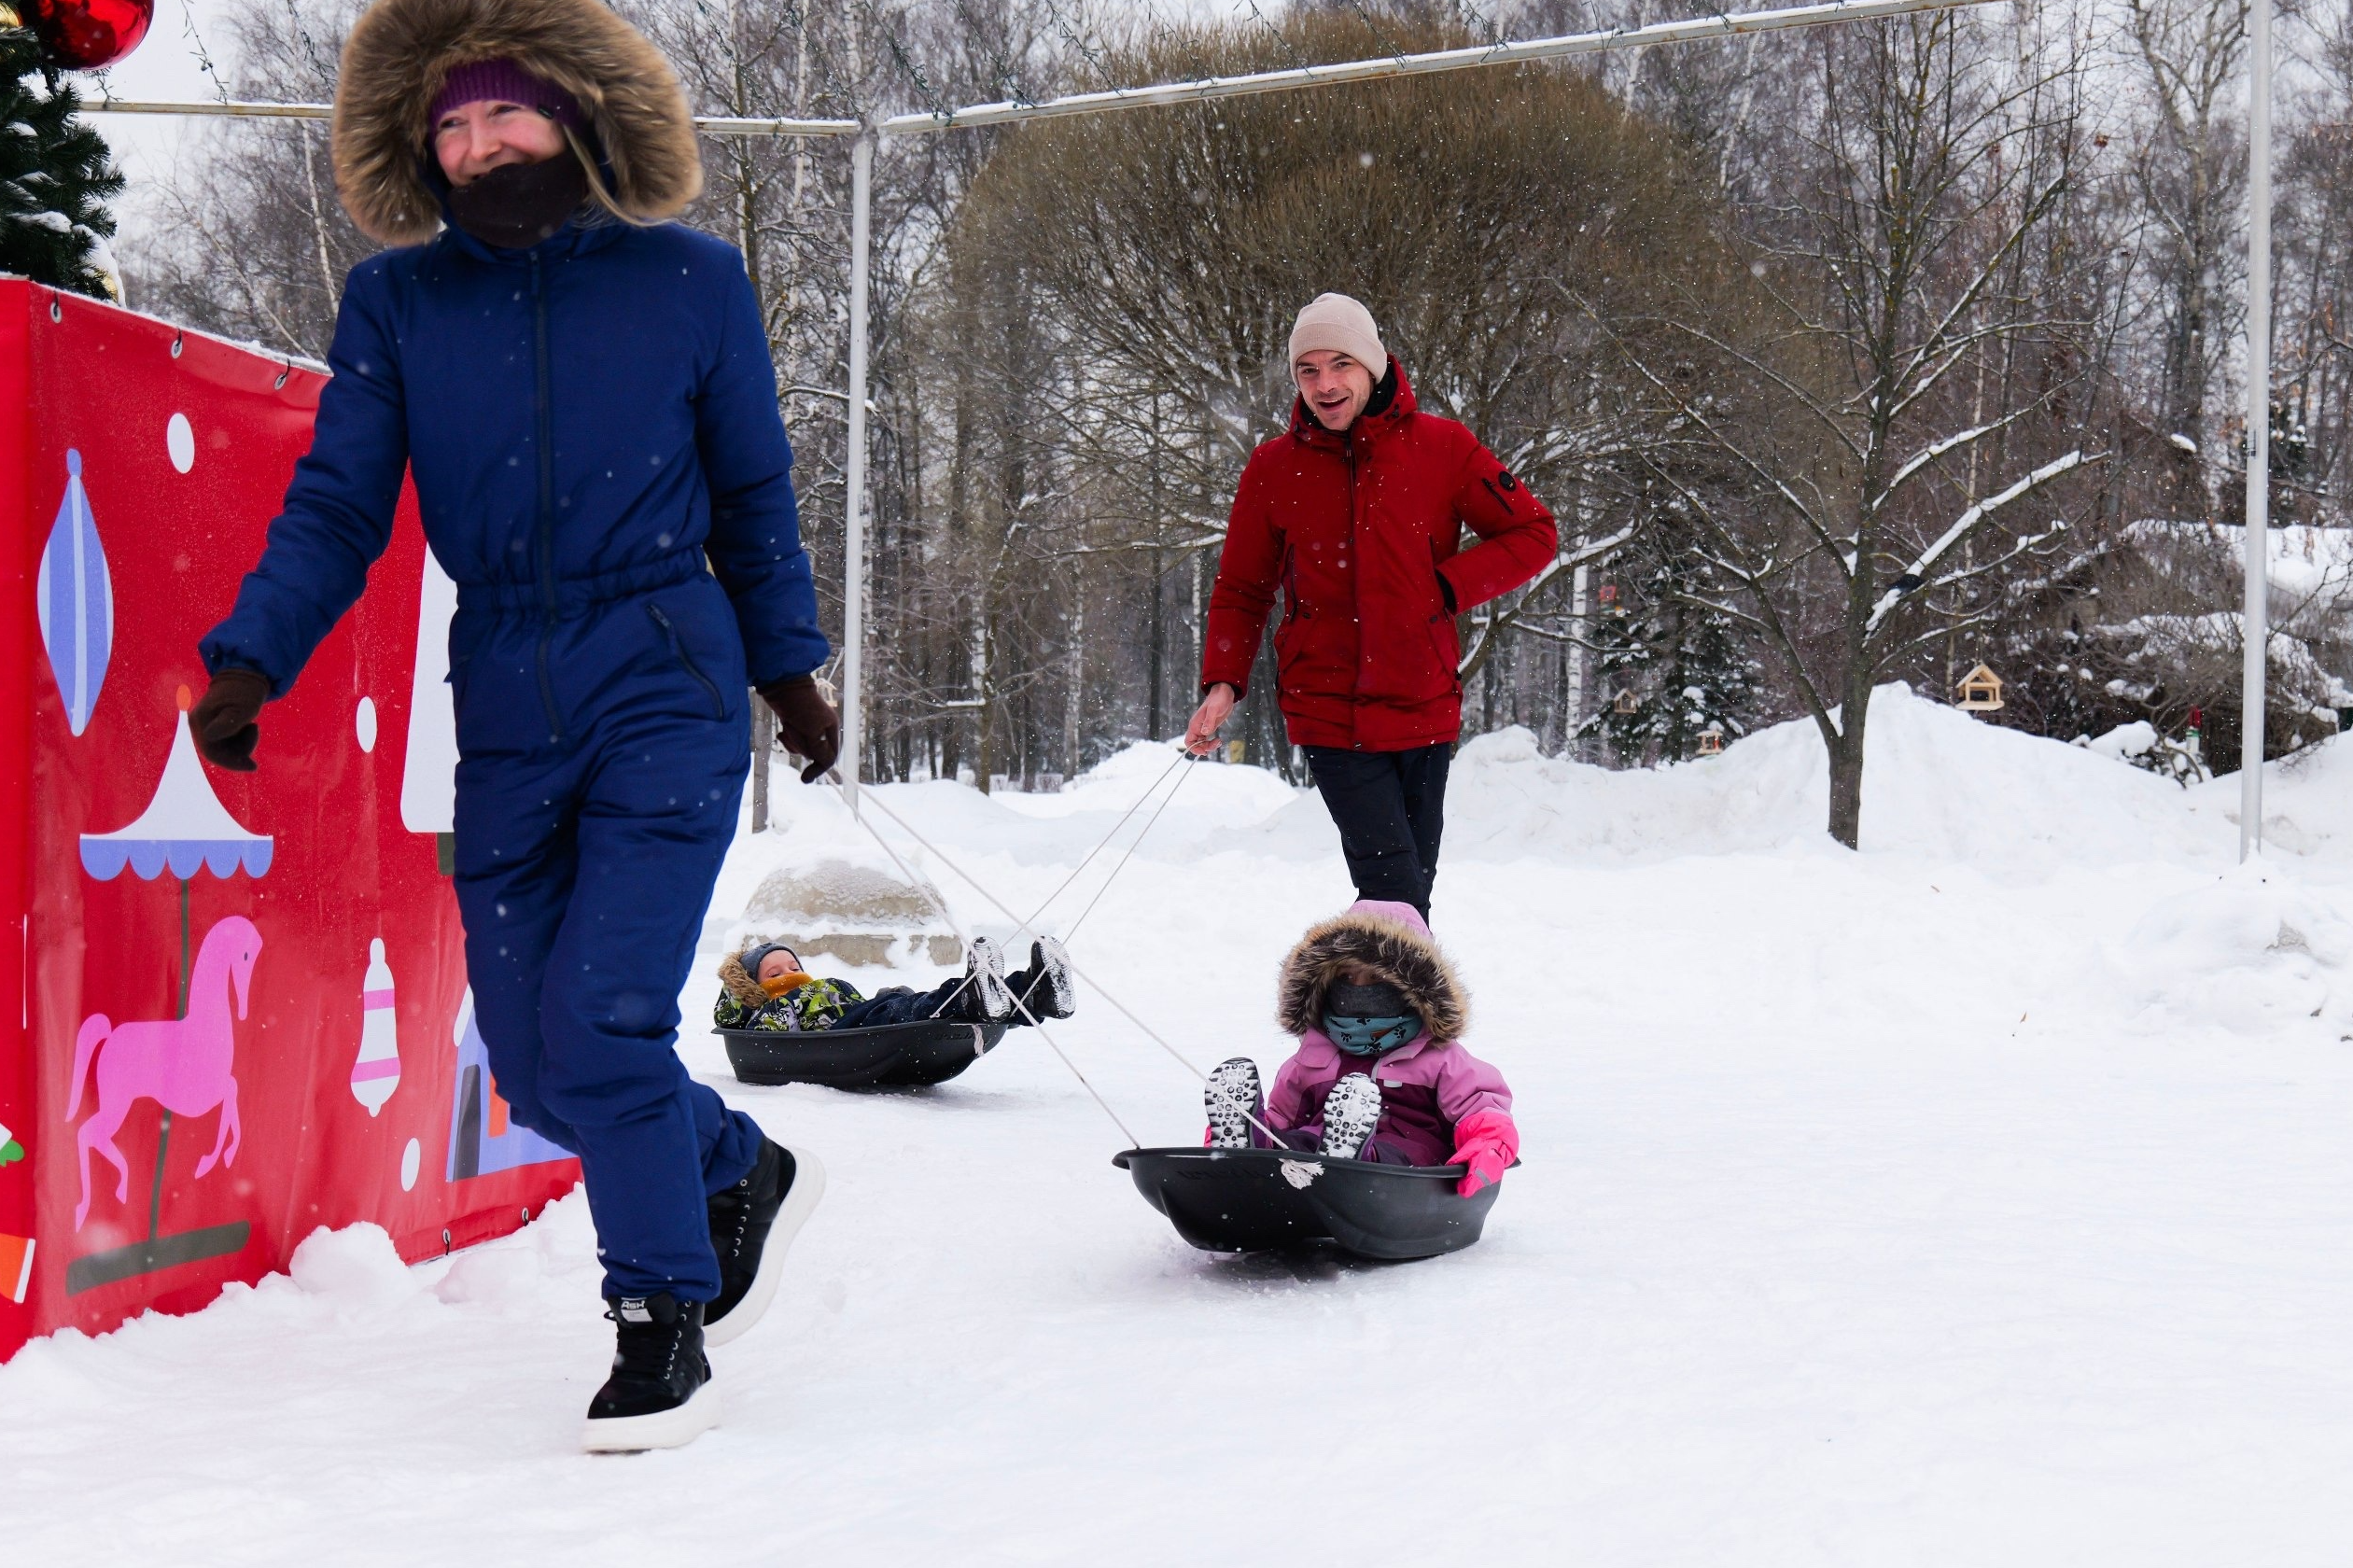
(545, 553)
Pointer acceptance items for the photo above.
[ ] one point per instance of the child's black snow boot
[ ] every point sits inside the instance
(1351, 1112)
(1231, 1096)
(660, 1394)
(753, 1222)
(1048, 988)
(985, 998)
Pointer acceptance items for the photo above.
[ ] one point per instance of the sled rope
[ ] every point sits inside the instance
(1104, 843)
(1101, 845)
(1071, 929)
(1121, 1008)
(1022, 1002)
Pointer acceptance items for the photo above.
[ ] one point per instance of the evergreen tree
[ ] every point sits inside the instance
(1626, 657)
(55, 177)
(1670, 667)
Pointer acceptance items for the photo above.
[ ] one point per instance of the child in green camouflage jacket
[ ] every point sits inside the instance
(764, 987)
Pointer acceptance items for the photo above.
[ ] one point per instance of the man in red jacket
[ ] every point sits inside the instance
(1356, 514)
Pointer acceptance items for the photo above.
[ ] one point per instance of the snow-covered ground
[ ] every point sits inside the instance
(1984, 1197)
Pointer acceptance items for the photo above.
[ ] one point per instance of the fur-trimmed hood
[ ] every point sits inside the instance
(737, 982)
(400, 51)
(1389, 939)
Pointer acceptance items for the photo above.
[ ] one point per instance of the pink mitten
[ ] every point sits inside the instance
(1488, 1142)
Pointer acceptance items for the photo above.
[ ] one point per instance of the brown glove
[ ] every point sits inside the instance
(806, 722)
(223, 718)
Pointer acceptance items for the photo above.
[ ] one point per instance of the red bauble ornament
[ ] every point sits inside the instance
(86, 35)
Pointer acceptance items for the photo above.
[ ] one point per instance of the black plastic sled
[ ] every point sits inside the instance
(885, 1056)
(1244, 1200)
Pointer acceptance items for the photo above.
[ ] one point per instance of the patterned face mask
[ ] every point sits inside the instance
(1369, 1037)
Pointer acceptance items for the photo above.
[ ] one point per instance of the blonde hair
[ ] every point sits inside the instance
(598, 193)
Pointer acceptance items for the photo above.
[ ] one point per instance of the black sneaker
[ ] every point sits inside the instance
(1351, 1112)
(660, 1394)
(1231, 1096)
(753, 1222)
(1048, 988)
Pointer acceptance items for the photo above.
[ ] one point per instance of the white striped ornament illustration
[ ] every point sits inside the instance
(377, 1072)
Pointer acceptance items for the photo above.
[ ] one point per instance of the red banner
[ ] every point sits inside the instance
(239, 1010)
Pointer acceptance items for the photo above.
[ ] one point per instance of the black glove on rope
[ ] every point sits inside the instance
(806, 722)
(223, 719)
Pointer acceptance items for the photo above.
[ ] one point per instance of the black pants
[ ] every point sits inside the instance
(1390, 808)
(949, 998)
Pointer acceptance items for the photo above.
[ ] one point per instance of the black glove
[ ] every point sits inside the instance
(806, 722)
(223, 718)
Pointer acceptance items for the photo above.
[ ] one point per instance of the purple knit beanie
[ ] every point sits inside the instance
(505, 80)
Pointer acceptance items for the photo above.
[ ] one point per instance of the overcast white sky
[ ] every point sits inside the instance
(163, 66)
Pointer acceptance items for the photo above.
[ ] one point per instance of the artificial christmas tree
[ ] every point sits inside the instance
(56, 176)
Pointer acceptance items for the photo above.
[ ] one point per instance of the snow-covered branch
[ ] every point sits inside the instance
(1918, 573)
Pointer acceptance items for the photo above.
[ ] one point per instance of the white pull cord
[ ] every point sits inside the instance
(924, 885)
(1071, 931)
(1101, 845)
(1247, 1112)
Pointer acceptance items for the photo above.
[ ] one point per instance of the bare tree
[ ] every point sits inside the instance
(1849, 489)
(2191, 176)
(253, 243)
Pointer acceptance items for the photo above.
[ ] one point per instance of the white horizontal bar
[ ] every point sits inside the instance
(722, 125)
(208, 106)
(1718, 26)
(1692, 30)
(711, 125)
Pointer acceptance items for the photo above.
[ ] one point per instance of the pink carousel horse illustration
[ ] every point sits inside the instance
(184, 1064)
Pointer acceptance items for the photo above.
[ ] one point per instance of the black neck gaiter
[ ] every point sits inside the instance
(517, 206)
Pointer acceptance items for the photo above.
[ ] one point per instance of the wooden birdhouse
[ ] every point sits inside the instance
(1711, 741)
(1981, 691)
(1626, 702)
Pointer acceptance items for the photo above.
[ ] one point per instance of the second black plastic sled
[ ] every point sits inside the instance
(886, 1056)
(1242, 1200)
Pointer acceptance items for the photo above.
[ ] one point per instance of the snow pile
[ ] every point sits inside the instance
(1937, 784)
(2123, 744)
(2307, 802)
(2252, 949)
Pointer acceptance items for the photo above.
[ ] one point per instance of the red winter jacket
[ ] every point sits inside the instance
(1358, 531)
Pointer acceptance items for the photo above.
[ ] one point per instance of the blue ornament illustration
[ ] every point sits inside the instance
(75, 598)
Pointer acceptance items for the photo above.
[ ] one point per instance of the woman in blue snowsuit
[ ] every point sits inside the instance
(582, 393)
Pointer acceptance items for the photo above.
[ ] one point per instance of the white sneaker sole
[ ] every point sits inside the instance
(664, 1429)
(808, 1185)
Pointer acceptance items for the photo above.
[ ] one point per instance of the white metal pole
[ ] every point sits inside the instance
(861, 191)
(2250, 786)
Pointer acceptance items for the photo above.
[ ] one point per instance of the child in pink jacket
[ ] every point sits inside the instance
(1379, 1073)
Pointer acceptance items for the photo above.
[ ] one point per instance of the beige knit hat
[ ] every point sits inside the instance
(1337, 323)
